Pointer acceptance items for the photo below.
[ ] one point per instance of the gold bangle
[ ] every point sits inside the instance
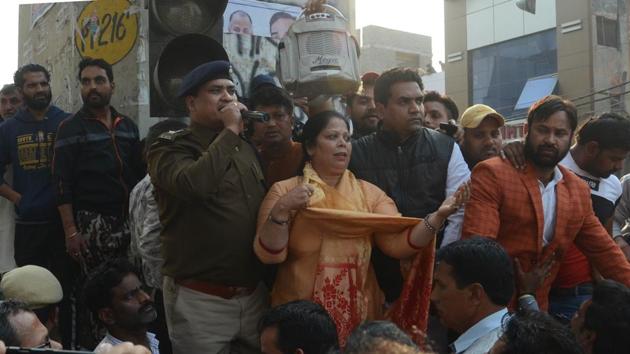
(74, 234)
(428, 225)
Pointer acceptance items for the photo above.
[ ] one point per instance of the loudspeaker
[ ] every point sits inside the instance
(182, 35)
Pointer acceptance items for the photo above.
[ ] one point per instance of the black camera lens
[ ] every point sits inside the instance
(257, 116)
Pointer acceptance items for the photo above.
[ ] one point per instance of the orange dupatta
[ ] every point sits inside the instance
(342, 216)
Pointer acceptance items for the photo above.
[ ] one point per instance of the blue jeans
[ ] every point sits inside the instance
(564, 307)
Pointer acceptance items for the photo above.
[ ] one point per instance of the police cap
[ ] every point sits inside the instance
(219, 69)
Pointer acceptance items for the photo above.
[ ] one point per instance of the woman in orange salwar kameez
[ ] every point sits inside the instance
(320, 228)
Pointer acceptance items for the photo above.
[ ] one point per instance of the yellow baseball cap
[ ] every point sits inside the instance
(474, 115)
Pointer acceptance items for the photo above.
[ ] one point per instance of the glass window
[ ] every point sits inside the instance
(535, 89)
(607, 31)
(498, 72)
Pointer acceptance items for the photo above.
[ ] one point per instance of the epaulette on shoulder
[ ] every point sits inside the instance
(173, 135)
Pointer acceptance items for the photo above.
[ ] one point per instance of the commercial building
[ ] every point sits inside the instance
(384, 48)
(508, 54)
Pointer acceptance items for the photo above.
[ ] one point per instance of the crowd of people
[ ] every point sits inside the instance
(396, 226)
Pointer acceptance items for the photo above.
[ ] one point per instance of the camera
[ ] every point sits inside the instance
(256, 116)
(249, 117)
(448, 129)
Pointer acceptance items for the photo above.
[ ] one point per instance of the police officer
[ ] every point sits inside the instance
(209, 187)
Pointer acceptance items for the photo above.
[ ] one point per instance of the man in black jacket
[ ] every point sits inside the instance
(417, 167)
(97, 163)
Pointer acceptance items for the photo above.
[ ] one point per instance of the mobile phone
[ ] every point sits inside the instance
(18, 350)
(448, 129)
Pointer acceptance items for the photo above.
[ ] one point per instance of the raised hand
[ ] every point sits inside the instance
(455, 201)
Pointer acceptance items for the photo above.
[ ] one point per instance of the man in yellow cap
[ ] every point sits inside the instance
(482, 137)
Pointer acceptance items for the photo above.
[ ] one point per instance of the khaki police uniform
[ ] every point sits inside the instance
(209, 187)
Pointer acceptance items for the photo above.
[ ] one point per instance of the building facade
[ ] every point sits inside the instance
(385, 48)
(508, 54)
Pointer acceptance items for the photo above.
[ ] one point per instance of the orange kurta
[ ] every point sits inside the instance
(327, 259)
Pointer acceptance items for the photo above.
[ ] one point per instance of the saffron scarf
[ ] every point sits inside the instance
(343, 218)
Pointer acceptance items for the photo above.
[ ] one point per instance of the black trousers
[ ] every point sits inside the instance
(44, 245)
(39, 244)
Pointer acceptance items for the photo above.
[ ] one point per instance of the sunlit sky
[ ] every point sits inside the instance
(416, 16)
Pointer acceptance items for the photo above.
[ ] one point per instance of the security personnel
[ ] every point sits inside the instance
(209, 186)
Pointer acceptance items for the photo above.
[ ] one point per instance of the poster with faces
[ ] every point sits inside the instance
(262, 18)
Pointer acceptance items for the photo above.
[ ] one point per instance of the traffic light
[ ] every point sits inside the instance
(182, 35)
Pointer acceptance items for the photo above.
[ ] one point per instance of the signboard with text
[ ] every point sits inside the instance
(107, 29)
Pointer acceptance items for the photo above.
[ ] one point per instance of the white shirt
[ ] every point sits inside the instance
(622, 212)
(490, 326)
(153, 342)
(548, 194)
(456, 174)
(7, 230)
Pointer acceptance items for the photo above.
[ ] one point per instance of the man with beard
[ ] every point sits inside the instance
(361, 108)
(97, 163)
(114, 295)
(482, 138)
(602, 144)
(281, 156)
(26, 143)
(539, 212)
(10, 101)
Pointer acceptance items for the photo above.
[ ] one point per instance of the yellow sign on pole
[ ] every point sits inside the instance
(106, 29)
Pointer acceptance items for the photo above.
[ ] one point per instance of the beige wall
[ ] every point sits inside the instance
(384, 48)
(60, 56)
(611, 66)
(456, 67)
(575, 61)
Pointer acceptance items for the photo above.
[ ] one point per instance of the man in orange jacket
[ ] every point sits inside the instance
(539, 212)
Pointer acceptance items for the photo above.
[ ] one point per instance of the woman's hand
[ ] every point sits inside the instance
(455, 201)
(296, 199)
(75, 244)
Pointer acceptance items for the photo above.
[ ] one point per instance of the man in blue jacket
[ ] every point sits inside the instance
(26, 143)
